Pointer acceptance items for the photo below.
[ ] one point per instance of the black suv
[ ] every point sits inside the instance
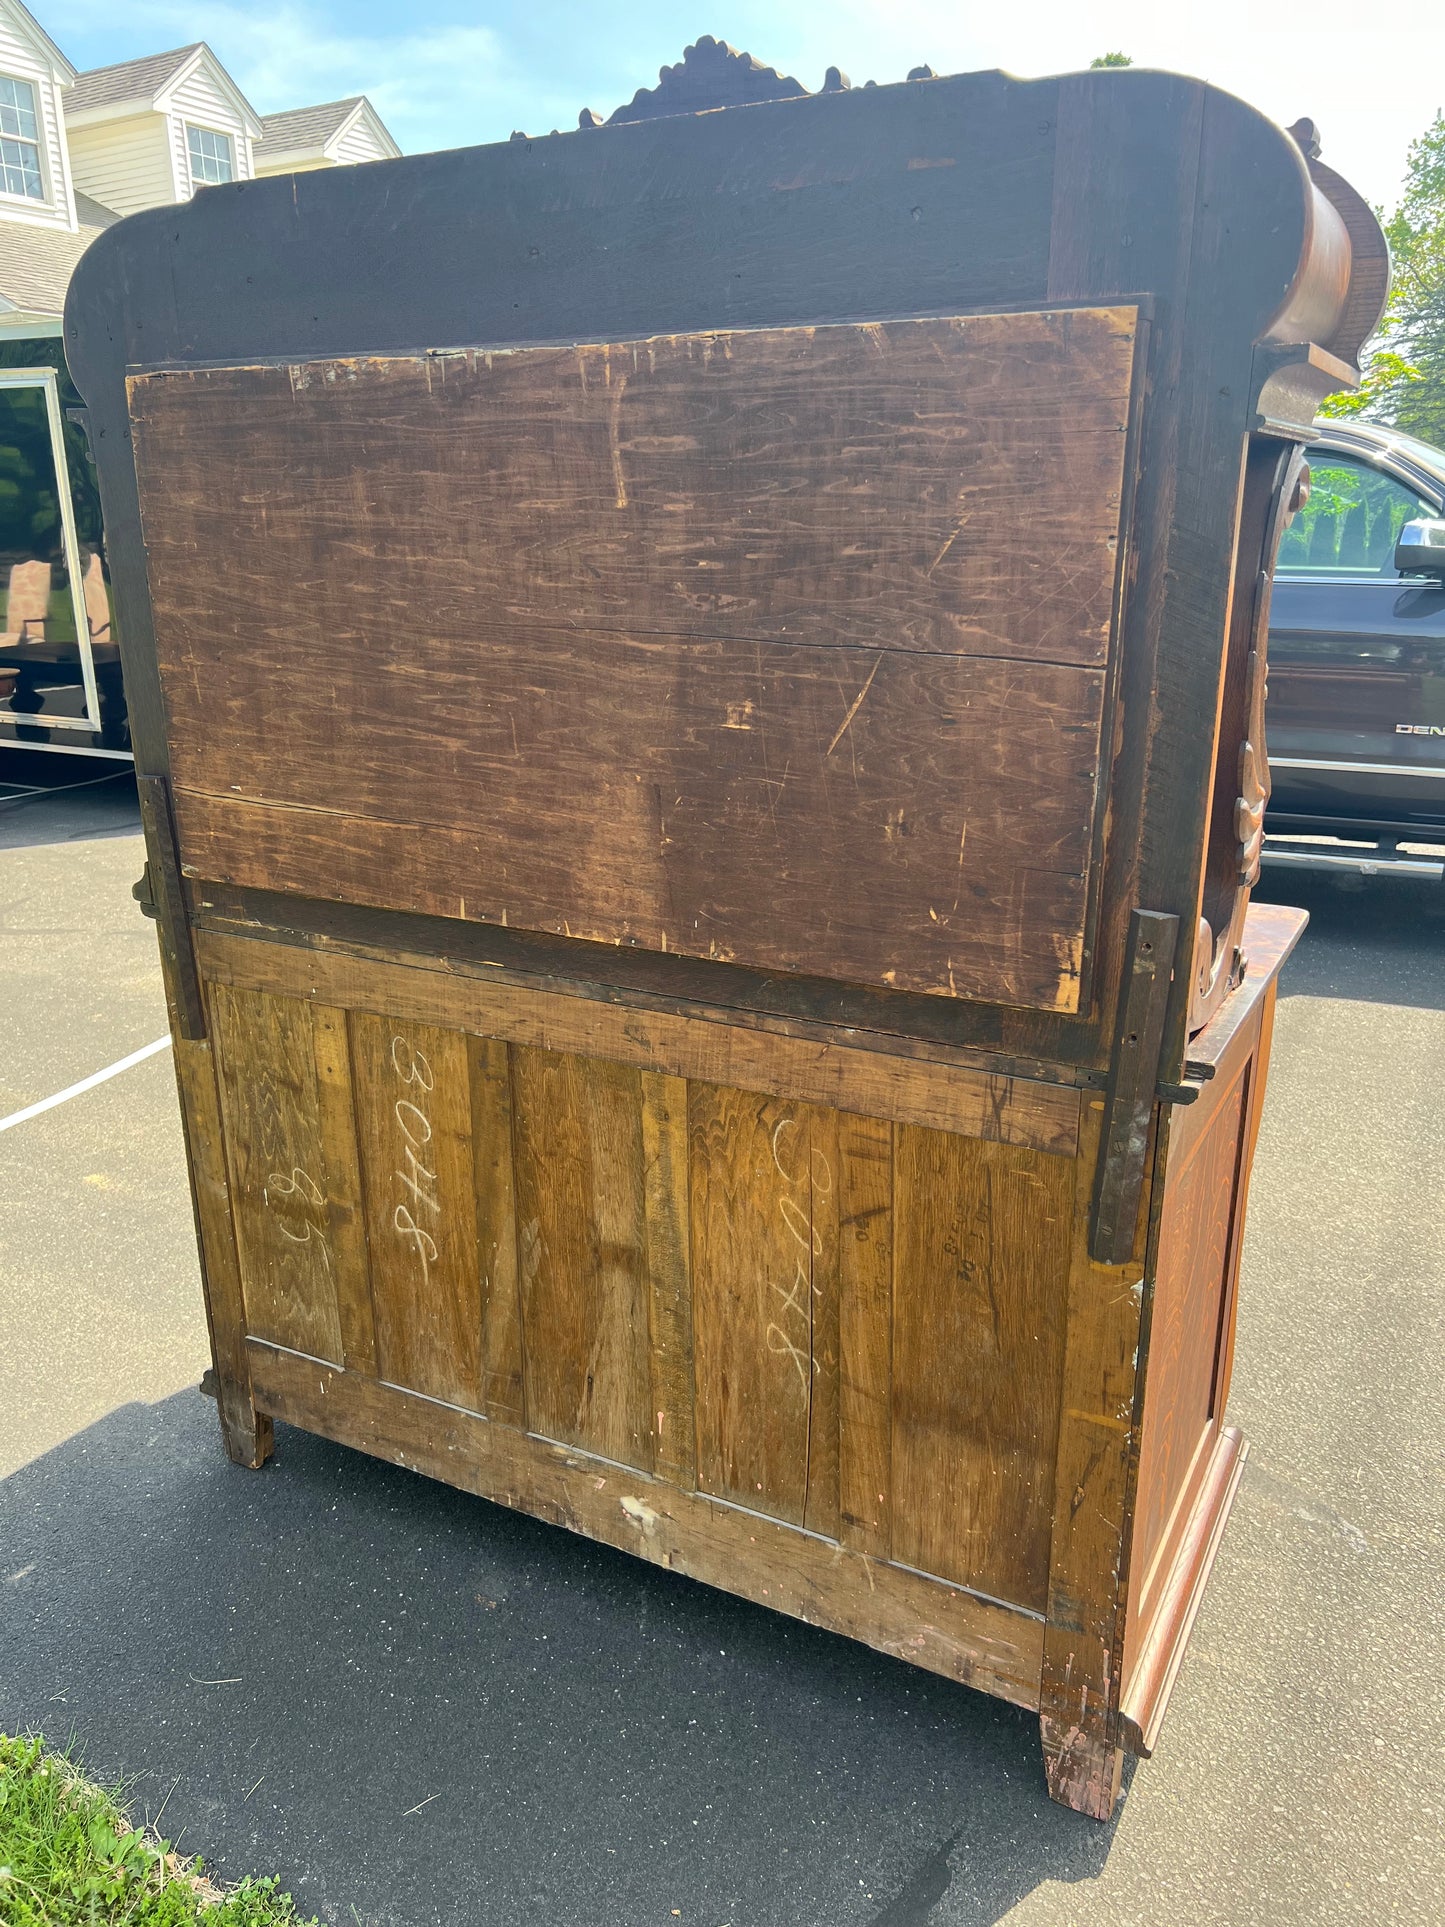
(1356, 713)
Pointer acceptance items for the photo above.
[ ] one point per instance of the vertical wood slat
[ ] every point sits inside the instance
(246, 1433)
(1082, 1756)
(336, 1123)
(280, 1182)
(865, 1337)
(669, 1250)
(825, 1146)
(982, 1258)
(582, 1240)
(765, 1208)
(414, 1127)
(489, 1065)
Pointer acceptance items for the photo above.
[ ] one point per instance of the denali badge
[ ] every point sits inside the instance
(1420, 729)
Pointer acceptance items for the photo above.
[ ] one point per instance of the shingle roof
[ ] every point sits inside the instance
(36, 263)
(305, 126)
(129, 80)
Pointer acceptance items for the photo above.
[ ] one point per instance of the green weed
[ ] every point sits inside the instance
(69, 1857)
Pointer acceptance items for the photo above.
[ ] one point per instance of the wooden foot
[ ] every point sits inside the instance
(1083, 1771)
(248, 1435)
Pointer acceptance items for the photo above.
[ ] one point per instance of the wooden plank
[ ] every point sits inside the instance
(1133, 1075)
(756, 1246)
(346, 1219)
(669, 1253)
(414, 1121)
(245, 1432)
(953, 1097)
(634, 790)
(850, 483)
(943, 1628)
(981, 1264)
(1145, 1697)
(1083, 1633)
(1196, 1236)
(501, 1337)
(582, 1239)
(821, 1505)
(266, 1058)
(865, 1335)
(166, 898)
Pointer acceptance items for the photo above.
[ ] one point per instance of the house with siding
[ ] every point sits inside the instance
(77, 152)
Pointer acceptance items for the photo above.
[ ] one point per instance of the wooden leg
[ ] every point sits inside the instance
(1083, 1770)
(1078, 1718)
(248, 1435)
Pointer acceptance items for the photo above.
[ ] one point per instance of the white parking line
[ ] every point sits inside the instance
(85, 1084)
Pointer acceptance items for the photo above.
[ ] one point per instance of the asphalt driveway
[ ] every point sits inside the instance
(417, 1707)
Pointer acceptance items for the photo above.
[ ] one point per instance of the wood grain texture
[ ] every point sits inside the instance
(940, 1627)
(245, 1432)
(1186, 1319)
(583, 1253)
(281, 1186)
(707, 1047)
(783, 808)
(981, 1271)
(862, 484)
(492, 1133)
(414, 1127)
(667, 1213)
(1083, 1634)
(762, 1185)
(865, 1334)
(647, 668)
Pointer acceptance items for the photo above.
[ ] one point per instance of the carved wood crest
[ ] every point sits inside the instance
(712, 74)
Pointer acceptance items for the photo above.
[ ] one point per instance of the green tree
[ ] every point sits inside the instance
(1112, 60)
(1404, 370)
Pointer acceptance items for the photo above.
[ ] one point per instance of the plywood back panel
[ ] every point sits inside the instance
(843, 1322)
(785, 647)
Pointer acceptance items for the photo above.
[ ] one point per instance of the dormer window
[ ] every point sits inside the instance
(213, 158)
(19, 140)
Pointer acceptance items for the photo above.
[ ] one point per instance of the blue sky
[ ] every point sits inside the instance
(446, 73)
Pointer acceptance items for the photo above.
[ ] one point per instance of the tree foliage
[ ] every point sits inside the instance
(1404, 371)
(1112, 60)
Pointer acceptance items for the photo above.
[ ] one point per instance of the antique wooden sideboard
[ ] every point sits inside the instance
(698, 690)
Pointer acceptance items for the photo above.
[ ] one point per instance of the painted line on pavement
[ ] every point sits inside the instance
(85, 1084)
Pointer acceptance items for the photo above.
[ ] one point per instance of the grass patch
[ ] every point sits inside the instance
(70, 1857)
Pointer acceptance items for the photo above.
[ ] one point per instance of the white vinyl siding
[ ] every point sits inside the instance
(359, 143)
(198, 102)
(19, 58)
(124, 164)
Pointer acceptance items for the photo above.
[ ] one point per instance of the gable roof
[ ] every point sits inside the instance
(128, 80)
(36, 263)
(305, 130)
(29, 26)
(137, 85)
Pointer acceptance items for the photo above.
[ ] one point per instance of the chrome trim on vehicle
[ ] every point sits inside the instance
(1366, 866)
(1359, 769)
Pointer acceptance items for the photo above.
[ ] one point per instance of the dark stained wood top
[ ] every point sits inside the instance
(1271, 931)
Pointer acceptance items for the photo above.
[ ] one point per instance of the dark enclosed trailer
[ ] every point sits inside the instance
(697, 687)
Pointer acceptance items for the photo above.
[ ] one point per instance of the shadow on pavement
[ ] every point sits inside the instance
(64, 799)
(416, 1707)
(1377, 939)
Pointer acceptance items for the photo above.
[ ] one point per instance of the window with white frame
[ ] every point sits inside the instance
(19, 140)
(213, 158)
